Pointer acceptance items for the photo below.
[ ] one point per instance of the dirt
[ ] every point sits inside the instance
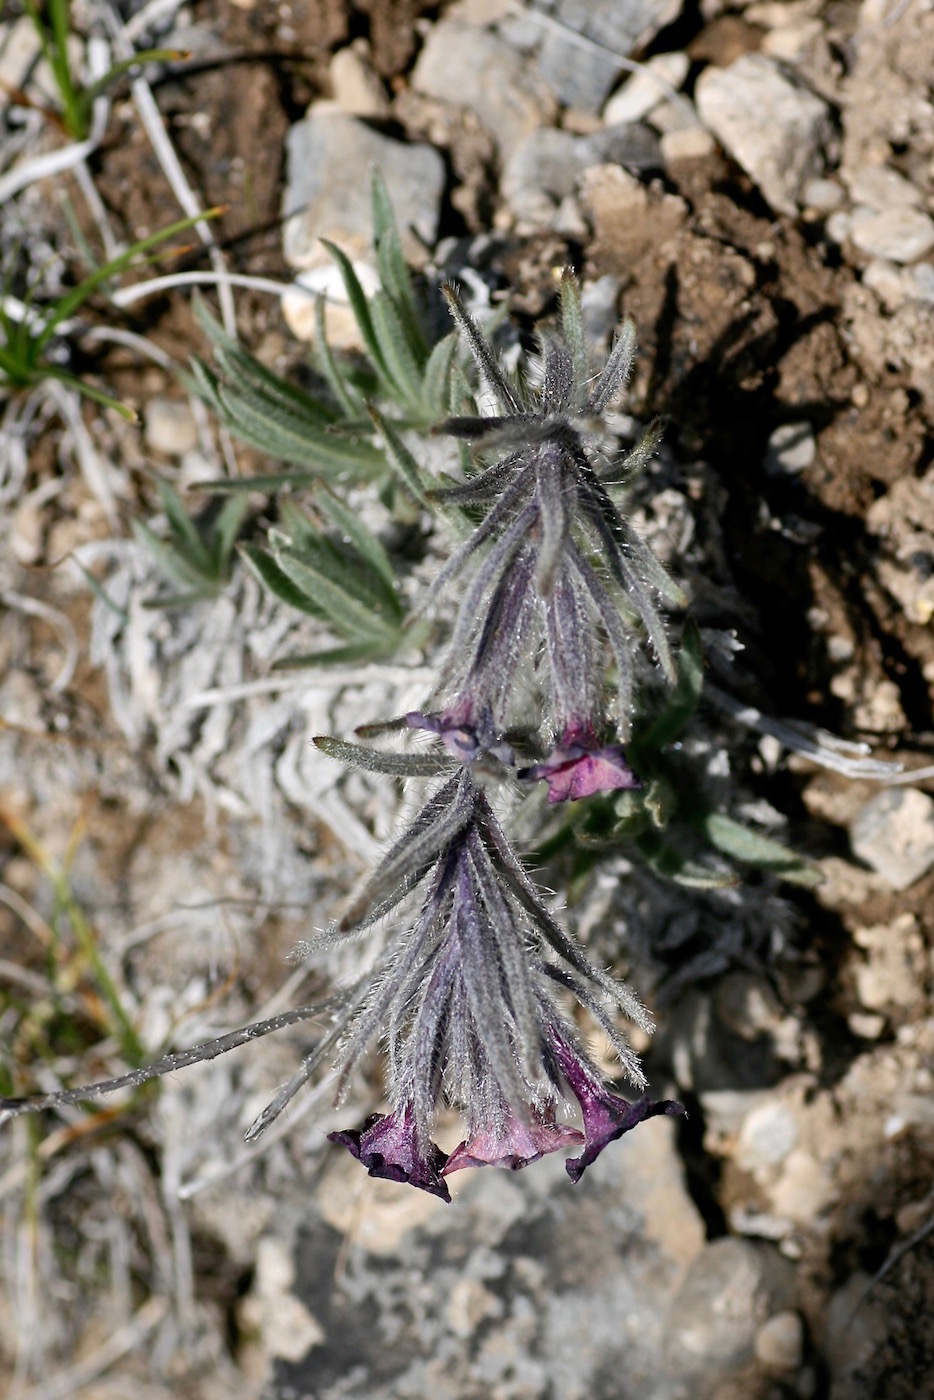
(745, 323)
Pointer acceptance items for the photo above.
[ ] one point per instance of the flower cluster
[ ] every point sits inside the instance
(556, 595)
(466, 999)
(559, 579)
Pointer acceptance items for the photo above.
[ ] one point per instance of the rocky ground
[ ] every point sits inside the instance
(754, 185)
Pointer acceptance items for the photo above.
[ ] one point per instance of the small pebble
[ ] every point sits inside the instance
(887, 281)
(822, 195)
(919, 280)
(779, 1343)
(775, 129)
(790, 450)
(642, 92)
(881, 188)
(169, 427)
(901, 235)
(688, 143)
(355, 87)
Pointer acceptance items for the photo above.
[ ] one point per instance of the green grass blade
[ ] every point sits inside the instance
(68, 304)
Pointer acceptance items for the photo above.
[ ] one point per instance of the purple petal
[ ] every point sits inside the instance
(513, 1147)
(606, 1115)
(452, 728)
(606, 1119)
(464, 739)
(574, 771)
(387, 1146)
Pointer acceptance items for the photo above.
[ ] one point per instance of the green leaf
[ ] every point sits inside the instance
(278, 432)
(752, 848)
(180, 523)
(351, 615)
(226, 529)
(436, 383)
(396, 281)
(358, 305)
(384, 215)
(172, 562)
(573, 324)
(267, 484)
(666, 861)
(348, 398)
(363, 540)
(402, 370)
(399, 457)
(336, 656)
(426, 765)
(279, 584)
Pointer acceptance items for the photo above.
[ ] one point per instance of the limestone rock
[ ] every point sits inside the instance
(774, 129)
(894, 833)
(474, 68)
(330, 158)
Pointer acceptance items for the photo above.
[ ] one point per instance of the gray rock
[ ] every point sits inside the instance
(851, 1342)
(580, 75)
(790, 450)
(20, 51)
(779, 1342)
(687, 143)
(730, 1290)
(330, 157)
(887, 281)
(900, 234)
(775, 130)
(550, 162)
(894, 833)
(476, 69)
(600, 308)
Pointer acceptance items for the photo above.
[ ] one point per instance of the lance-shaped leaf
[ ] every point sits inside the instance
(752, 848)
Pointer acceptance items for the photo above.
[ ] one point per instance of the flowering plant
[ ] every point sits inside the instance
(558, 621)
(556, 592)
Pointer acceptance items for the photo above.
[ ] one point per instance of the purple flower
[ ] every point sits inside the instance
(463, 737)
(606, 1115)
(579, 767)
(388, 1146)
(511, 1144)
